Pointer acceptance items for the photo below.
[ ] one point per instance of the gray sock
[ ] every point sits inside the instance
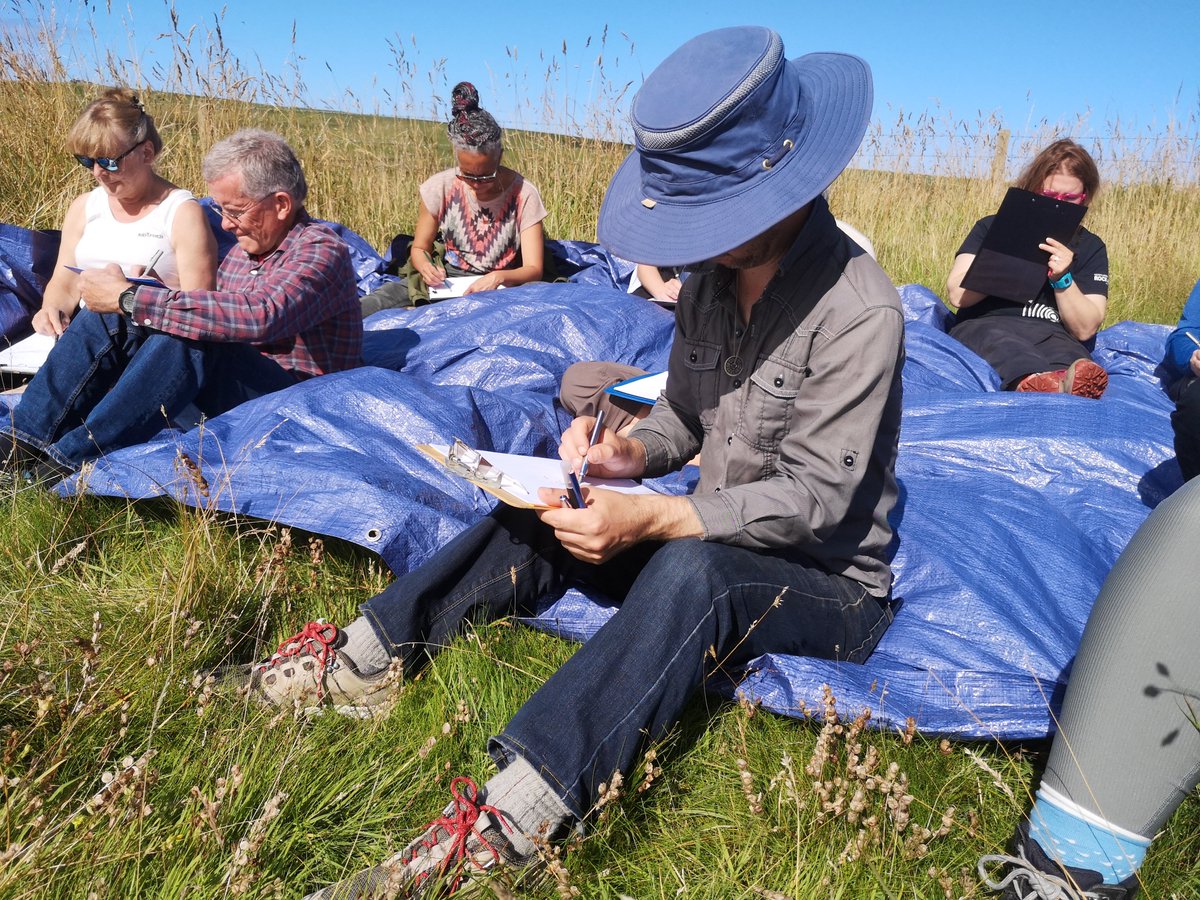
(527, 800)
(364, 648)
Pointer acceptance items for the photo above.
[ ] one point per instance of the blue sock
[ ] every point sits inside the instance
(1074, 836)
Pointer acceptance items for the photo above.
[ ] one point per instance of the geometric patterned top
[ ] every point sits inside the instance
(482, 237)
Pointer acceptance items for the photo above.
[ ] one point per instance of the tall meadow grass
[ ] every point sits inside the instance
(125, 774)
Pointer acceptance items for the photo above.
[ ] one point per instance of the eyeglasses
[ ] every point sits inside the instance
(477, 179)
(108, 163)
(1066, 196)
(235, 216)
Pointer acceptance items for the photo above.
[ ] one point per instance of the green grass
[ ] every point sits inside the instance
(111, 611)
(114, 611)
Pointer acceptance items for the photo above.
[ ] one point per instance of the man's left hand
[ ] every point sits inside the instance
(613, 522)
(100, 289)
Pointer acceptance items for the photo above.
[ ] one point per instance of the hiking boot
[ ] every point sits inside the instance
(465, 841)
(307, 672)
(1085, 378)
(1043, 382)
(1032, 875)
(1082, 378)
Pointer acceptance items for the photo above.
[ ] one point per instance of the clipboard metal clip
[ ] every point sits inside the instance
(470, 464)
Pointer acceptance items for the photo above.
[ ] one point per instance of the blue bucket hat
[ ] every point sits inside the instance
(731, 137)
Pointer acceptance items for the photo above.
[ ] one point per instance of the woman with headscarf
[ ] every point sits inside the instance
(478, 218)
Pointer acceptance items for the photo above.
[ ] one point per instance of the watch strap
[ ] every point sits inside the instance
(1063, 283)
(127, 299)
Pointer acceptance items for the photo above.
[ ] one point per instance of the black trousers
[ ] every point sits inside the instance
(1186, 422)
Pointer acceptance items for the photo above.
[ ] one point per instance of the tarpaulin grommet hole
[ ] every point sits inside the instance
(374, 534)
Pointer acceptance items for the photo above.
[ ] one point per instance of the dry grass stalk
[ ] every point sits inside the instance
(848, 786)
(243, 868)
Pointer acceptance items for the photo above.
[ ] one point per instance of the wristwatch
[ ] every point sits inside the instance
(126, 300)
(1063, 283)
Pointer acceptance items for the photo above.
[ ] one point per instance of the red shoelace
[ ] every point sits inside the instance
(459, 825)
(315, 639)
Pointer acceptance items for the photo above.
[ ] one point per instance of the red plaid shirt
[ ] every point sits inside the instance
(298, 305)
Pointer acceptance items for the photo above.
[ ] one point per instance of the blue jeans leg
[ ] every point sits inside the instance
(503, 565)
(696, 608)
(109, 384)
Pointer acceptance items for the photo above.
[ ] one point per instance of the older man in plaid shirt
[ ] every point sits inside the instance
(285, 309)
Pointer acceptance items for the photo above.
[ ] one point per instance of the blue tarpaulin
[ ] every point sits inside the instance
(1012, 507)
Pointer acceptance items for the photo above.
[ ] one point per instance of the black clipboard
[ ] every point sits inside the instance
(1009, 263)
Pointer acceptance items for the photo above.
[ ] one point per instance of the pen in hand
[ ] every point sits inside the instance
(148, 271)
(1195, 340)
(596, 436)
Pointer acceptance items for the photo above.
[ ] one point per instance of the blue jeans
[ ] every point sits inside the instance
(688, 609)
(109, 384)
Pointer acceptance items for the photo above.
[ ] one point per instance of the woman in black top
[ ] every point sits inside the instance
(1044, 344)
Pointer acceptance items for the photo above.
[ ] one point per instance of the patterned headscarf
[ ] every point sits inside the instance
(470, 127)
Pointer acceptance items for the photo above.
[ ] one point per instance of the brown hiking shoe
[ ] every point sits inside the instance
(308, 673)
(467, 840)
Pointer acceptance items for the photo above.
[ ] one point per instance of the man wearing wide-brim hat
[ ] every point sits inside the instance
(785, 372)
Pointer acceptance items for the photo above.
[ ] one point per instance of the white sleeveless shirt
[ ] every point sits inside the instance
(130, 244)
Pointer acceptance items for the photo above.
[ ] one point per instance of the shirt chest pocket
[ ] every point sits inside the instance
(771, 401)
(701, 358)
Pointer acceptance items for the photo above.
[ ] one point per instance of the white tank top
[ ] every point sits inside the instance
(130, 244)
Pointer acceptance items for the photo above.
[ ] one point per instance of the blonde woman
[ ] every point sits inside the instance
(133, 217)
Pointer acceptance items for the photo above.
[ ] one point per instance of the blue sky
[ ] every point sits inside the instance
(1026, 62)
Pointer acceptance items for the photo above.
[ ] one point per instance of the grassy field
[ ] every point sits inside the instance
(124, 775)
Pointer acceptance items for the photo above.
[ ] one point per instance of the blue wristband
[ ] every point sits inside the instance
(1063, 283)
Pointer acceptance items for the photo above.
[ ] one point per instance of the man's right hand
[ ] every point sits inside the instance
(51, 321)
(612, 456)
(1194, 363)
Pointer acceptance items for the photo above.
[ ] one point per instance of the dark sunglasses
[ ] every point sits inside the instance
(110, 164)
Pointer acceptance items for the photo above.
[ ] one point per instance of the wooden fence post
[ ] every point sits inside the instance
(1001, 158)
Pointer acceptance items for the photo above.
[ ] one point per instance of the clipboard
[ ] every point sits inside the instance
(521, 476)
(453, 286)
(642, 389)
(135, 279)
(1009, 263)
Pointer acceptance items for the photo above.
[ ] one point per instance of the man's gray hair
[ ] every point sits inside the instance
(265, 161)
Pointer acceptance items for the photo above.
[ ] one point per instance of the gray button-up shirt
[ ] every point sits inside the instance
(799, 447)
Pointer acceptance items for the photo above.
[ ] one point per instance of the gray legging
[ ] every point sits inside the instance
(1128, 746)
